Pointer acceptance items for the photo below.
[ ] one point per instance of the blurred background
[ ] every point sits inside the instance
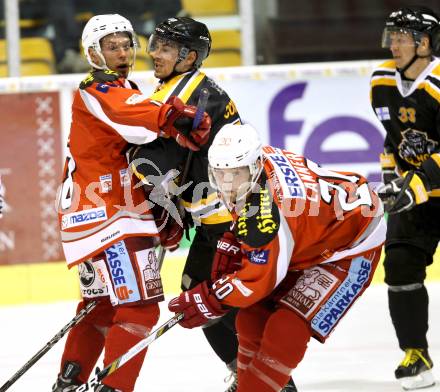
(297, 70)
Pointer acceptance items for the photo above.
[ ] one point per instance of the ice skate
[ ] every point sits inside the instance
(290, 387)
(232, 378)
(414, 372)
(67, 381)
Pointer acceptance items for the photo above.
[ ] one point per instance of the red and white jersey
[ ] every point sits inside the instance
(97, 203)
(303, 215)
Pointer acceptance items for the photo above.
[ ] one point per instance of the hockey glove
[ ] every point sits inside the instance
(99, 76)
(227, 258)
(198, 305)
(405, 192)
(170, 231)
(180, 116)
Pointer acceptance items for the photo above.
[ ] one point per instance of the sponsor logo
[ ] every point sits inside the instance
(117, 271)
(242, 229)
(227, 247)
(94, 292)
(291, 183)
(106, 183)
(258, 256)
(83, 217)
(309, 290)
(110, 236)
(86, 274)
(202, 307)
(266, 223)
(332, 311)
(102, 87)
(136, 98)
(124, 177)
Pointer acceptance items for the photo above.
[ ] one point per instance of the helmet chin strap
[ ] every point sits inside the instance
(411, 62)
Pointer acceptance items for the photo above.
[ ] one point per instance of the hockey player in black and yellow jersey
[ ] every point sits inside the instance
(178, 47)
(405, 95)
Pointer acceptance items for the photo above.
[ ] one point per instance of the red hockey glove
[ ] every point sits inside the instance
(170, 231)
(198, 305)
(227, 258)
(178, 111)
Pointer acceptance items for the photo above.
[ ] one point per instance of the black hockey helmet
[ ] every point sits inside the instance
(414, 20)
(188, 33)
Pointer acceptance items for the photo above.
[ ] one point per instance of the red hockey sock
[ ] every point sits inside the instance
(131, 324)
(282, 348)
(85, 341)
(250, 324)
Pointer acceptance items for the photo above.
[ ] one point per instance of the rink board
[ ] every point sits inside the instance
(50, 282)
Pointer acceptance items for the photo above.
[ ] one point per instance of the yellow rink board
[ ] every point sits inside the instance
(49, 282)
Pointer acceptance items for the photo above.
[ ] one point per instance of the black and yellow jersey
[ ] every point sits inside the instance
(199, 199)
(409, 112)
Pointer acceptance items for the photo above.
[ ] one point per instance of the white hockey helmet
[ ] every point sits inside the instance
(236, 146)
(98, 27)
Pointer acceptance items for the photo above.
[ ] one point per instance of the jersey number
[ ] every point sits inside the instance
(362, 191)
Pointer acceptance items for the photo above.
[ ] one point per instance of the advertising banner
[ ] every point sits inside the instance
(319, 110)
(30, 167)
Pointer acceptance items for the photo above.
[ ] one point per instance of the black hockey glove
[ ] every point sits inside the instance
(405, 192)
(99, 76)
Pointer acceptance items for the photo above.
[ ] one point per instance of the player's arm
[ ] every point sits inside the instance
(122, 108)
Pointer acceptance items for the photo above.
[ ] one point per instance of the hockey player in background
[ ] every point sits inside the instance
(106, 226)
(406, 99)
(304, 246)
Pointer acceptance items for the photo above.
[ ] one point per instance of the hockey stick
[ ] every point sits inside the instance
(84, 312)
(201, 106)
(136, 349)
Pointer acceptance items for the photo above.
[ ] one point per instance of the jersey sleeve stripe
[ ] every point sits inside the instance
(383, 81)
(287, 244)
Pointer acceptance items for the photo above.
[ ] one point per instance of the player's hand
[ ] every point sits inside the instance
(198, 305)
(99, 76)
(180, 116)
(405, 192)
(227, 258)
(170, 231)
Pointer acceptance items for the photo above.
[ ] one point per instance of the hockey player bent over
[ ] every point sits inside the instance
(405, 97)
(303, 247)
(106, 226)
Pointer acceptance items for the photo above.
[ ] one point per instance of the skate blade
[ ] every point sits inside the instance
(422, 380)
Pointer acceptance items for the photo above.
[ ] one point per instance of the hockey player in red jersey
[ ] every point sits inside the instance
(303, 247)
(107, 228)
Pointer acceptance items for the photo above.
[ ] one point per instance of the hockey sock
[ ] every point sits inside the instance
(409, 313)
(222, 340)
(282, 348)
(131, 324)
(250, 327)
(85, 340)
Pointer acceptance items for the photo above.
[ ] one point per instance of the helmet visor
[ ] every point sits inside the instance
(157, 42)
(400, 36)
(233, 184)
